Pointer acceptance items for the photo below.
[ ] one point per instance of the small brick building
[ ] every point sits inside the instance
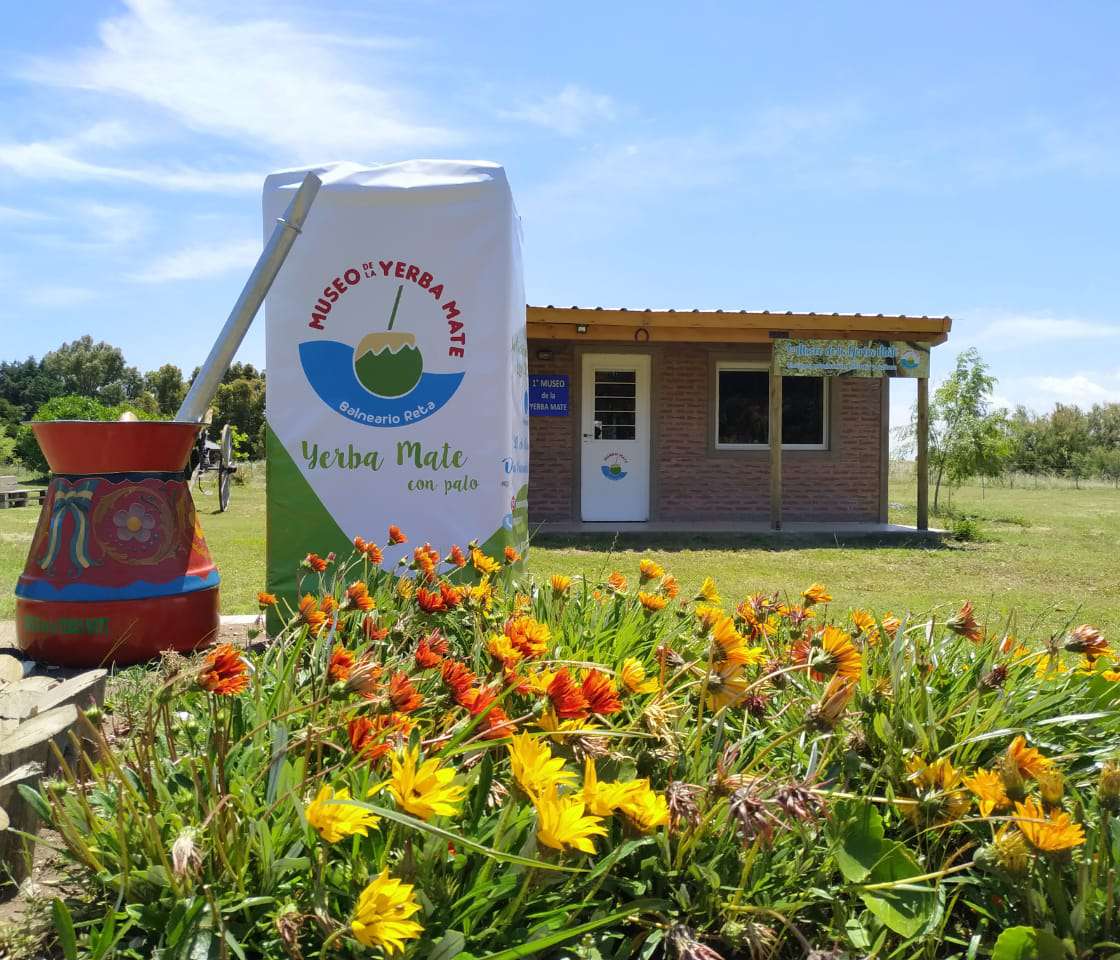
(664, 415)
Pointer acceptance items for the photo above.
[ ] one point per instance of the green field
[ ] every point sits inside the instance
(1049, 556)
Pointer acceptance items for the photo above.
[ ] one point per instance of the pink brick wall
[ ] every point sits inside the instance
(694, 480)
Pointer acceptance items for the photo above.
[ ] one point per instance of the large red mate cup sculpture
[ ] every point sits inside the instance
(118, 568)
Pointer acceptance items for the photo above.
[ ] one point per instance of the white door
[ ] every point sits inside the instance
(615, 437)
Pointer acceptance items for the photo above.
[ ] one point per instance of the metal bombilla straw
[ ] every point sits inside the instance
(288, 227)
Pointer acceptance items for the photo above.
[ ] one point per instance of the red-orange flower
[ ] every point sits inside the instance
(360, 544)
(310, 613)
(426, 559)
(371, 738)
(426, 657)
(529, 637)
(373, 552)
(372, 631)
(964, 623)
(458, 677)
(314, 562)
(568, 700)
(395, 535)
(266, 599)
(456, 556)
(224, 671)
(450, 595)
(617, 582)
(341, 664)
(328, 604)
(357, 595)
(403, 694)
(600, 693)
(511, 555)
(430, 601)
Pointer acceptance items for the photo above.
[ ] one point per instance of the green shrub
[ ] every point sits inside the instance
(966, 528)
(71, 407)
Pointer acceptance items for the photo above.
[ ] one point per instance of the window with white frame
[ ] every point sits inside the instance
(743, 409)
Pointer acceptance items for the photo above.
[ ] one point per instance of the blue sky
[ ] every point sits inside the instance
(881, 158)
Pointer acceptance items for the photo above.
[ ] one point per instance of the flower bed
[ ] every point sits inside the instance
(464, 763)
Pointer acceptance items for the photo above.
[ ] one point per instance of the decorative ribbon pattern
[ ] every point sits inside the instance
(73, 500)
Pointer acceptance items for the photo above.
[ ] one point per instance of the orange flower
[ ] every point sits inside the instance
(371, 739)
(450, 595)
(314, 562)
(964, 623)
(600, 692)
(1088, 640)
(669, 586)
(266, 599)
(650, 570)
(529, 637)
(829, 651)
(651, 601)
(559, 583)
(373, 552)
(372, 631)
(310, 613)
(341, 664)
(364, 679)
(617, 582)
(456, 557)
(395, 535)
(224, 671)
(357, 595)
(426, 657)
(511, 555)
(426, 559)
(328, 604)
(458, 677)
(403, 694)
(816, 593)
(1027, 760)
(360, 544)
(430, 601)
(567, 699)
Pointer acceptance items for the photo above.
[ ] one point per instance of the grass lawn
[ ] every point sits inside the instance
(1050, 556)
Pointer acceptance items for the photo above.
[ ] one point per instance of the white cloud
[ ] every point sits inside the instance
(568, 112)
(59, 296)
(17, 215)
(265, 81)
(1082, 389)
(59, 160)
(202, 260)
(1020, 329)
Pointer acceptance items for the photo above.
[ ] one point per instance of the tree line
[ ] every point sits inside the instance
(92, 381)
(969, 438)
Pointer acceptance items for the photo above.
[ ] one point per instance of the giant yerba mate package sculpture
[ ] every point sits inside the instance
(397, 365)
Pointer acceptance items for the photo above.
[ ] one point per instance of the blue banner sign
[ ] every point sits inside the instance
(548, 395)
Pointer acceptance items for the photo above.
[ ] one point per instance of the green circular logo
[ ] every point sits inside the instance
(388, 364)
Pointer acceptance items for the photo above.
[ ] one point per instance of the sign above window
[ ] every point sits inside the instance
(851, 358)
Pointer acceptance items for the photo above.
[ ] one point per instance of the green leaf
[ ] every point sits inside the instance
(907, 907)
(450, 945)
(562, 936)
(64, 929)
(34, 799)
(861, 843)
(1028, 943)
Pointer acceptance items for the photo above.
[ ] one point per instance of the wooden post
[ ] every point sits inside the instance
(923, 453)
(775, 445)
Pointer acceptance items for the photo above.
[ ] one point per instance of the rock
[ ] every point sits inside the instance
(30, 741)
(11, 670)
(16, 814)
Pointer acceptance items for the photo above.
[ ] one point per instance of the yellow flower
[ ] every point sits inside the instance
(731, 650)
(482, 593)
(987, 785)
(816, 593)
(1010, 850)
(725, 691)
(863, 621)
(602, 798)
(938, 787)
(709, 592)
(839, 657)
(561, 823)
(1048, 835)
(381, 918)
(502, 648)
(650, 570)
(427, 791)
(556, 728)
(335, 821)
(633, 677)
(483, 563)
(404, 588)
(1050, 787)
(560, 583)
(707, 614)
(646, 808)
(534, 767)
(1027, 760)
(651, 601)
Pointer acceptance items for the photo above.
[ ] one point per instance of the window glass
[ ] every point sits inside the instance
(743, 414)
(616, 402)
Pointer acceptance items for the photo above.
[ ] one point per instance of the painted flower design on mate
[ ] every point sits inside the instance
(135, 523)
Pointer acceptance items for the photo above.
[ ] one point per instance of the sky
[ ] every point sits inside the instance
(952, 158)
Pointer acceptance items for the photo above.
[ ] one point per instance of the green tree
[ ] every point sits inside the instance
(1104, 462)
(70, 407)
(965, 437)
(241, 403)
(167, 386)
(26, 385)
(95, 370)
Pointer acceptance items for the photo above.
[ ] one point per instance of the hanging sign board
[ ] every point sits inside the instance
(548, 395)
(851, 358)
(397, 365)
